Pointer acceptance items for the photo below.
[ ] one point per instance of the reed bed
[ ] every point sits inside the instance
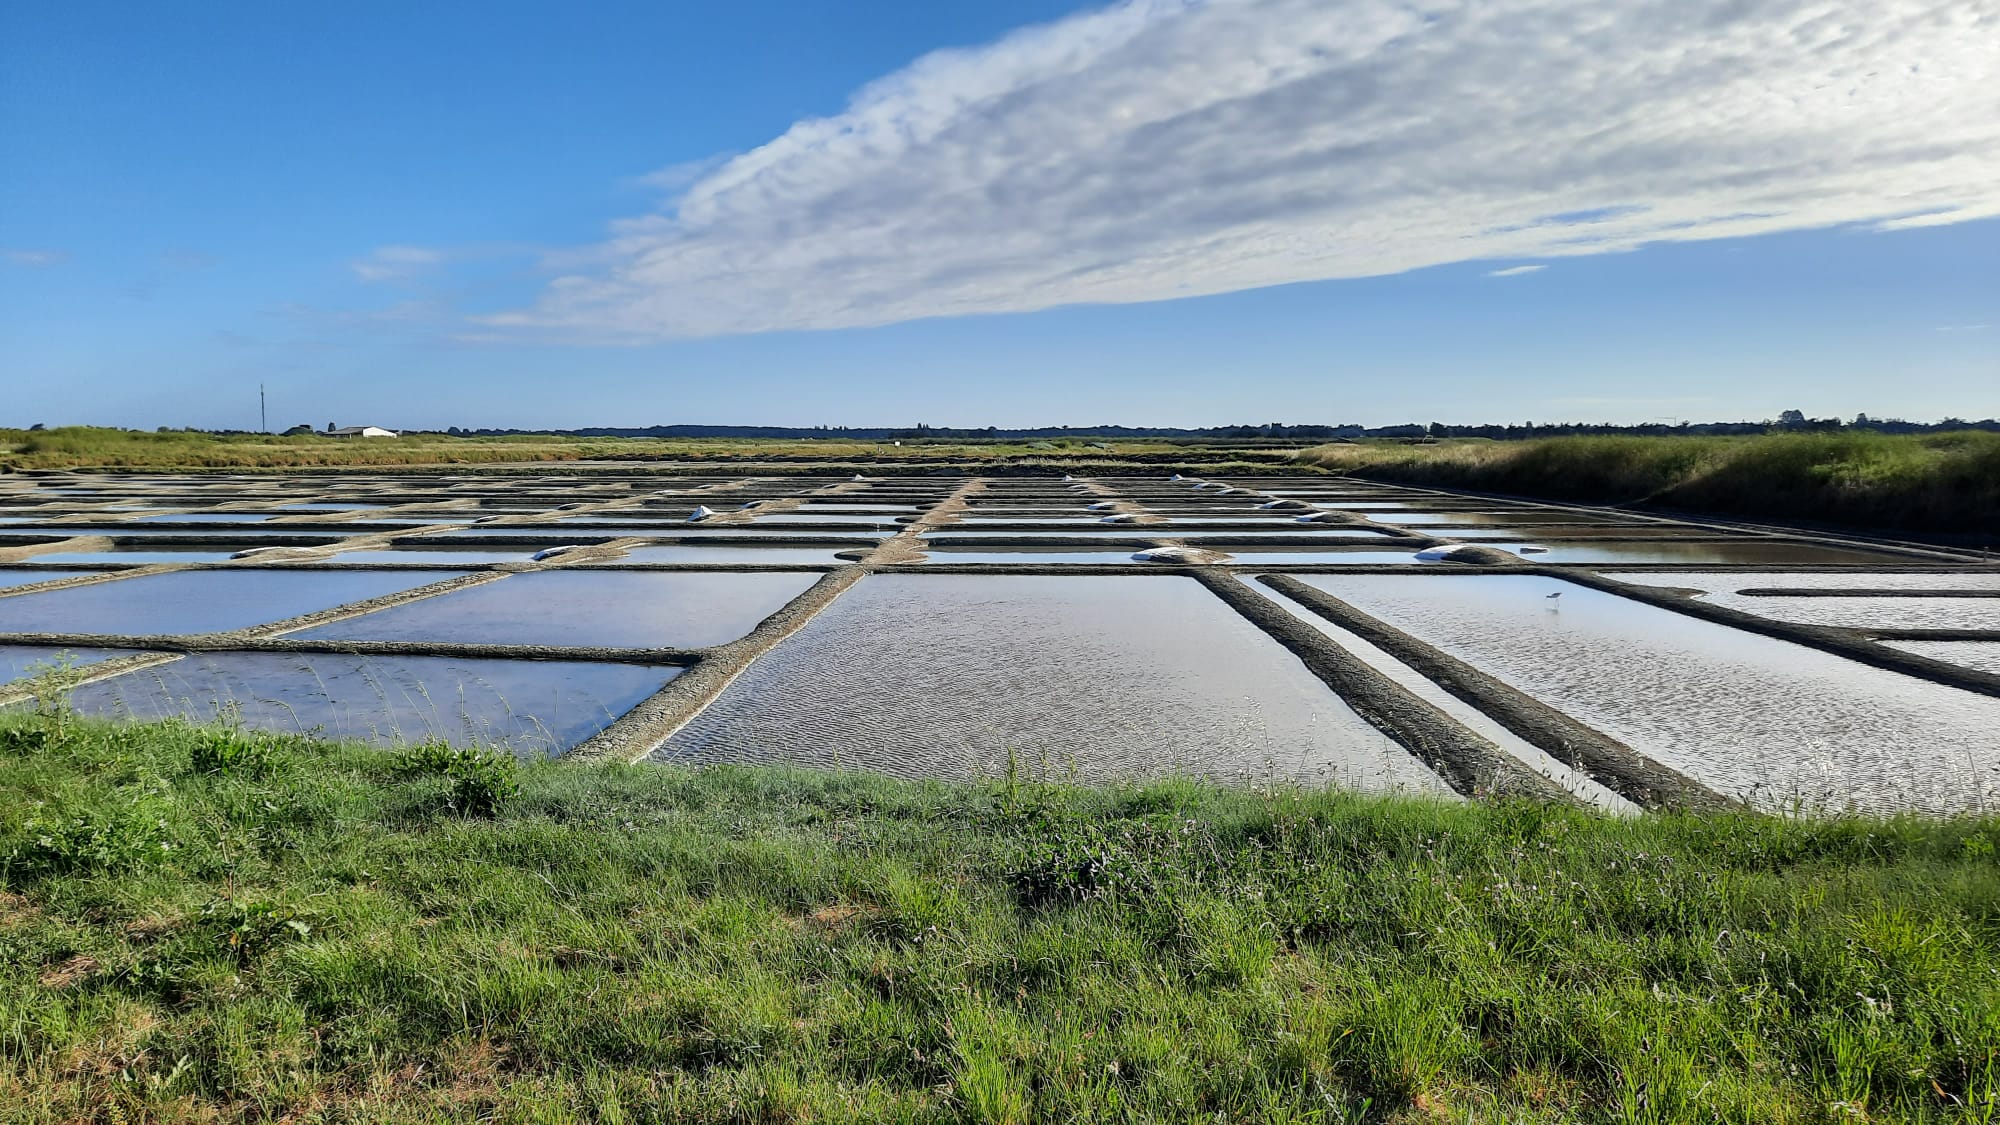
(1947, 483)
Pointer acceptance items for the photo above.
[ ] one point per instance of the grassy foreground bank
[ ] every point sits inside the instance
(1947, 483)
(199, 925)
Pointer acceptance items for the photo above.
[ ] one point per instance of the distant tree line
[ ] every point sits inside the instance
(1789, 421)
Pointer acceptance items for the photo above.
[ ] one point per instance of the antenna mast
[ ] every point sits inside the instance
(263, 418)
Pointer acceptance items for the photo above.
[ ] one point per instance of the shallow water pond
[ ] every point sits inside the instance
(1780, 724)
(1734, 552)
(1845, 612)
(28, 577)
(611, 608)
(1472, 718)
(205, 517)
(534, 707)
(1054, 556)
(934, 675)
(141, 555)
(21, 661)
(722, 554)
(199, 601)
(1508, 518)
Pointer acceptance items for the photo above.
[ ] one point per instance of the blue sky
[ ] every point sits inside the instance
(1166, 212)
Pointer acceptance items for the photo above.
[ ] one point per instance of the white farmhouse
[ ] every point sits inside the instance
(358, 432)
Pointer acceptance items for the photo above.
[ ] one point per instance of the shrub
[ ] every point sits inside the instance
(121, 834)
(49, 684)
(479, 781)
(233, 753)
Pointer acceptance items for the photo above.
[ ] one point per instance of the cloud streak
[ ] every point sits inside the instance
(1515, 271)
(34, 259)
(396, 263)
(1171, 148)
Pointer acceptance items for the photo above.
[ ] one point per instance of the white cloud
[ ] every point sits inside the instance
(1168, 148)
(34, 259)
(396, 263)
(1515, 271)
(1962, 327)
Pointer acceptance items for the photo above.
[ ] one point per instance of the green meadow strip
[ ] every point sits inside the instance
(205, 924)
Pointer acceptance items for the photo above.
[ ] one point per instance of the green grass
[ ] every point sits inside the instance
(1919, 482)
(206, 925)
(91, 447)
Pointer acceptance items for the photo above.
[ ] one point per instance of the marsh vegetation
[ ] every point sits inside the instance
(1946, 482)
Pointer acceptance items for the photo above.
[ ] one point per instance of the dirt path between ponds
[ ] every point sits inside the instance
(907, 546)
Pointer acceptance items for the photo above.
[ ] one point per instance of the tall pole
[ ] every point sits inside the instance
(263, 418)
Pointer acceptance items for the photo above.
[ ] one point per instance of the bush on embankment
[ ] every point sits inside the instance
(205, 925)
(1947, 483)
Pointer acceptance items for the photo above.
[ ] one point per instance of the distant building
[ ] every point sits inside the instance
(357, 431)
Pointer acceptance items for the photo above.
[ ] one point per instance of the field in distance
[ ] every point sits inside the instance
(91, 447)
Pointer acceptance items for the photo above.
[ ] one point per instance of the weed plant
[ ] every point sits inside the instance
(199, 925)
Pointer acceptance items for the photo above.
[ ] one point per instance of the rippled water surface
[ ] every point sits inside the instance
(206, 517)
(1505, 518)
(945, 675)
(25, 577)
(885, 521)
(396, 555)
(534, 707)
(1054, 556)
(723, 554)
(199, 601)
(1851, 613)
(1773, 721)
(1266, 556)
(1735, 552)
(18, 661)
(139, 555)
(613, 608)
(1520, 749)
